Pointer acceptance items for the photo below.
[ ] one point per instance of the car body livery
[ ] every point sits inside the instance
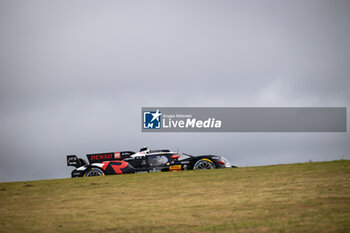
(141, 162)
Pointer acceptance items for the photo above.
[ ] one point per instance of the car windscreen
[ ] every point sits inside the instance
(157, 160)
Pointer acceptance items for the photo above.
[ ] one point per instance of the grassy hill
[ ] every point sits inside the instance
(305, 197)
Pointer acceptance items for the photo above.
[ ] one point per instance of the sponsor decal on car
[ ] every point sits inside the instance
(101, 157)
(116, 165)
(155, 170)
(175, 168)
(117, 155)
(140, 172)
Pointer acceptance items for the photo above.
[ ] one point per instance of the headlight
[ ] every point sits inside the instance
(227, 163)
(223, 161)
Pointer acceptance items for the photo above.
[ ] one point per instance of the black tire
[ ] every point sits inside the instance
(204, 164)
(94, 171)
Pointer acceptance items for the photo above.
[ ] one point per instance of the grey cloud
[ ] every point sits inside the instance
(75, 74)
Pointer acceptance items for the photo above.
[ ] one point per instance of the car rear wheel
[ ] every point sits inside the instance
(94, 171)
(204, 164)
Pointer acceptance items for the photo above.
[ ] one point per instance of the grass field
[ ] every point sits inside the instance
(304, 197)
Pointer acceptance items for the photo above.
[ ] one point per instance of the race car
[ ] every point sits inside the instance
(142, 162)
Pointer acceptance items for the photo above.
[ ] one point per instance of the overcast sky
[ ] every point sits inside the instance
(75, 74)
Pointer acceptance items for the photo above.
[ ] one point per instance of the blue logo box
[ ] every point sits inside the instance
(152, 119)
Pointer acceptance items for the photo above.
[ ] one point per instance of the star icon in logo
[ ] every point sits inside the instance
(156, 115)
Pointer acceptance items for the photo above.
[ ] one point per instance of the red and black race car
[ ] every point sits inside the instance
(141, 162)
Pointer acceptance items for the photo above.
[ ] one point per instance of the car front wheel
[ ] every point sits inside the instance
(204, 164)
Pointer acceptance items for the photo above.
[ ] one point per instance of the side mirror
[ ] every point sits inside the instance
(175, 157)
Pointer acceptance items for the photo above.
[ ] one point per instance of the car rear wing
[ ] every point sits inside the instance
(73, 160)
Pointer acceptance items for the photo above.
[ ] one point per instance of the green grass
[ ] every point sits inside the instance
(304, 197)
